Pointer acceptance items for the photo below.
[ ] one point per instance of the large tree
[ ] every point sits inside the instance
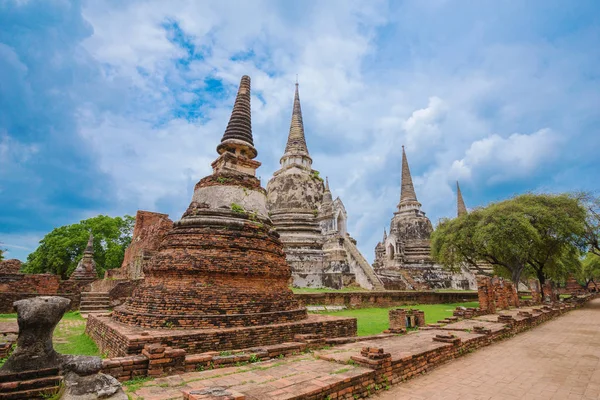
(538, 232)
(60, 250)
(589, 271)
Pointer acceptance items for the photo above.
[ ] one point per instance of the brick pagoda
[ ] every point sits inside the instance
(222, 266)
(86, 268)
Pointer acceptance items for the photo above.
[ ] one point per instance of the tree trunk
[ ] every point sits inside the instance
(516, 276)
(542, 278)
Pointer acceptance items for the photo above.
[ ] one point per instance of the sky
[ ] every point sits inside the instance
(107, 107)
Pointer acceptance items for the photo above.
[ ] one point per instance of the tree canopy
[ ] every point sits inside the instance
(591, 237)
(535, 233)
(61, 249)
(589, 271)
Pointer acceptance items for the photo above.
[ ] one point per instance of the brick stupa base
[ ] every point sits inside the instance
(117, 339)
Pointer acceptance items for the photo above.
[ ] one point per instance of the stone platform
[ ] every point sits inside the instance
(117, 339)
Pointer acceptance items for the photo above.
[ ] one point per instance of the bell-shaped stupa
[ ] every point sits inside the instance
(222, 265)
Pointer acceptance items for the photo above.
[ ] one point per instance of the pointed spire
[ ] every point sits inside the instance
(407, 191)
(460, 203)
(384, 235)
(327, 197)
(296, 143)
(238, 134)
(90, 245)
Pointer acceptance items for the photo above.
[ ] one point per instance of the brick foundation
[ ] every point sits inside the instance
(384, 299)
(118, 339)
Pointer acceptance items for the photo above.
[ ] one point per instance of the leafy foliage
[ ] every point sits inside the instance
(589, 271)
(60, 250)
(1, 253)
(592, 223)
(535, 234)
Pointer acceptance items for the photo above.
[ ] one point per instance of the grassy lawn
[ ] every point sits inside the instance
(69, 335)
(372, 321)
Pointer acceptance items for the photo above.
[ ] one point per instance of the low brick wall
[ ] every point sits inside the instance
(389, 298)
(19, 286)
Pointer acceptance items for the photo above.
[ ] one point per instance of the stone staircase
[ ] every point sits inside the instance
(94, 302)
(364, 265)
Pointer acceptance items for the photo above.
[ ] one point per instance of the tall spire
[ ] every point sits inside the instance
(296, 143)
(460, 203)
(407, 191)
(238, 134)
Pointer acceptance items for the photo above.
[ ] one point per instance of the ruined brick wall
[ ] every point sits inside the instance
(11, 266)
(149, 231)
(496, 294)
(536, 292)
(397, 320)
(15, 287)
(384, 298)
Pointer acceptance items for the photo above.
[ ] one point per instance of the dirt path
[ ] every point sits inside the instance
(556, 360)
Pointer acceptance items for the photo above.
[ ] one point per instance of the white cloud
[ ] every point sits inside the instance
(365, 74)
(504, 159)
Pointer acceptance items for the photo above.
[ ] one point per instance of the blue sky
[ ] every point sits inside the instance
(110, 107)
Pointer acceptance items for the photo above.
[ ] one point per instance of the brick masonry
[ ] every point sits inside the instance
(364, 365)
(117, 339)
(17, 286)
(384, 298)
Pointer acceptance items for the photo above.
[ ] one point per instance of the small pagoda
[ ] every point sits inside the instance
(221, 271)
(86, 268)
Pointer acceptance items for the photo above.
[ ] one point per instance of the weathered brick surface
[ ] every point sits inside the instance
(11, 266)
(17, 286)
(496, 294)
(384, 298)
(215, 275)
(119, 340)
(149, 231)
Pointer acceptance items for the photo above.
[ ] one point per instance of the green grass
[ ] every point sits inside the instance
(69, 335)
(372, 321)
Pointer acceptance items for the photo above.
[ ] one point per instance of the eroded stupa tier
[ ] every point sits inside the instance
(222, 265)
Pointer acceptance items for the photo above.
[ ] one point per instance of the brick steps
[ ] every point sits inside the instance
(41, 393)
(30, 384)
(94, 302)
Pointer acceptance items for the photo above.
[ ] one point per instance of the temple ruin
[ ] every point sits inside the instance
(219, 279)
(85, 272)
(402, 258)
(311, 224)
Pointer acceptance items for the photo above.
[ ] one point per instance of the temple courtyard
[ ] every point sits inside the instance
(559, 359)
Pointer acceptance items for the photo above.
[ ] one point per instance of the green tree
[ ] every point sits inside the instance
(539, 233)
(589, 271)
(1, 253)
(560, 223)
(61, 249)
(592, 233)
